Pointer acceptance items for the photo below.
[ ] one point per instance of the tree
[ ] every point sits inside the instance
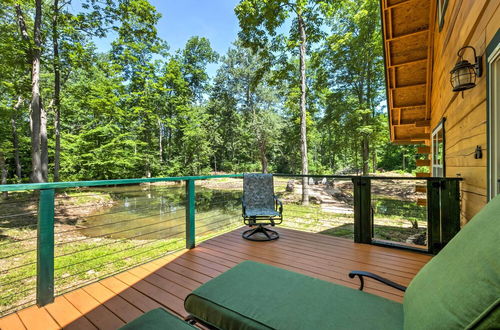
(261, 20)
(132, 54)
(244, 108)
(14, 84)
(38, 117)
(351, 61)
(195, 57)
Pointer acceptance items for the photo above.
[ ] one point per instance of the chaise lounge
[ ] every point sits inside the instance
(458, 289)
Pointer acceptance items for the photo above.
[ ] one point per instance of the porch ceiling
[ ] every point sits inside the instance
(407, 33)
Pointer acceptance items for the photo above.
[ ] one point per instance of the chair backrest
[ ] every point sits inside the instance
(460, 287)
(258, 191)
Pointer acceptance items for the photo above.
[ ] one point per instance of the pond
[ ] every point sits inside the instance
(155, 212)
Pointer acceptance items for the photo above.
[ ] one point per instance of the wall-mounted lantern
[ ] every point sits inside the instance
(463, 75)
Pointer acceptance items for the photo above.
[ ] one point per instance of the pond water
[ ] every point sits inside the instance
(154, 212)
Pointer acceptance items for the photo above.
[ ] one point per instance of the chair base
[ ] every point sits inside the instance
(269, 235)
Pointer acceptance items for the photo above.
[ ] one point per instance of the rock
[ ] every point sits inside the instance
(290, 186)
(417, 239)
(340, 196)
(314, 200)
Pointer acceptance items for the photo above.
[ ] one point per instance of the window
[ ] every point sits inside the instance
(441, 10)
(493, 70)
(438, 168)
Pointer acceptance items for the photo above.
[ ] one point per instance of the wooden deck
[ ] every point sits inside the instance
(112, 302)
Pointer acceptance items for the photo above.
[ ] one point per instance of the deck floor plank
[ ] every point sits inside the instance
(104, 319)
(119, 306)
(326, 261)
(35, 318)
(98, 315)
(348, 254)
(12, 321)
(138, 299)
(63, 311)
(81, 323)
(307, 267)
(165, 282)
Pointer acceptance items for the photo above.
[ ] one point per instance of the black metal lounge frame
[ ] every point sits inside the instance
(376, 277)
(252, 221)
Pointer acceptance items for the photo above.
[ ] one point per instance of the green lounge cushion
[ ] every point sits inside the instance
(157, 319)
(460, 287)
(257, 296)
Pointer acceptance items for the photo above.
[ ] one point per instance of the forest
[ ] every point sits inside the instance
(301, 90)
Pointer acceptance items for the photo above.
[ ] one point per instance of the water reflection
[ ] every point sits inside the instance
(154, 212)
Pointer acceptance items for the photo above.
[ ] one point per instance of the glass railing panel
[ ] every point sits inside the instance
(399, 211)
(330, 208)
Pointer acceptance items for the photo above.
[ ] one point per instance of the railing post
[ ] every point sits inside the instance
(362, 210)
(433, 215)
(450, 210)
(45, 248)
(190, 213)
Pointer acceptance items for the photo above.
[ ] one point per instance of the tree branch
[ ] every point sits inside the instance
(22, 23)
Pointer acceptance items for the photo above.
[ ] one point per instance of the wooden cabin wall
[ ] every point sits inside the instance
(474, 23)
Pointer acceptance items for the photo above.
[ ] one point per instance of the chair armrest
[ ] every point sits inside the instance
(243, 207)
(376, 277)
(278, 202)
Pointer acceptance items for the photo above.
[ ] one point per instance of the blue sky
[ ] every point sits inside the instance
(182, 19)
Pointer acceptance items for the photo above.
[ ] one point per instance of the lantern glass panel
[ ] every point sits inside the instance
(463, 78)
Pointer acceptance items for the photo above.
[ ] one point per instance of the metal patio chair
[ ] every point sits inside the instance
(260, 207)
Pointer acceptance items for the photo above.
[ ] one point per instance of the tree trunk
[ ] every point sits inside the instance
(263, 157)
(44, 149)
(374, 161)
(15, 139)
(160, 138)
(366, 154)
(36, 102)
(3, 169)
(303, 113)
(57, 89)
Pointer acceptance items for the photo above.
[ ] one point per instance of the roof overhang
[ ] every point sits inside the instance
(407, 29)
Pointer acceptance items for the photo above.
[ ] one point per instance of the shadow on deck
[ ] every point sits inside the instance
(165, 282)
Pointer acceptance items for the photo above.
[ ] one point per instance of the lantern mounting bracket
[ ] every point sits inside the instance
(479, 59)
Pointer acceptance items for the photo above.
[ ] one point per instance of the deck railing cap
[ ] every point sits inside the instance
(81, 184)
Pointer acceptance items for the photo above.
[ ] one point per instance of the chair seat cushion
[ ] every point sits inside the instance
(157, 319)
(257, 296)
(261, 212)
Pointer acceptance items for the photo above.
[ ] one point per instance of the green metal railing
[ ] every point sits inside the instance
(443, 213)
(47, 239)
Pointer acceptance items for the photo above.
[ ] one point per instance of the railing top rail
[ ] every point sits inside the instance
(96, 183)
(333, 176)
(81, 184)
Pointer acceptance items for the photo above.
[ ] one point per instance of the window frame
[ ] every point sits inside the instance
(493, 123)
(442, 5)
(434, 149)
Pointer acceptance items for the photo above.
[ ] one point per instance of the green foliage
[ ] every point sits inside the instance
(139, 110)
